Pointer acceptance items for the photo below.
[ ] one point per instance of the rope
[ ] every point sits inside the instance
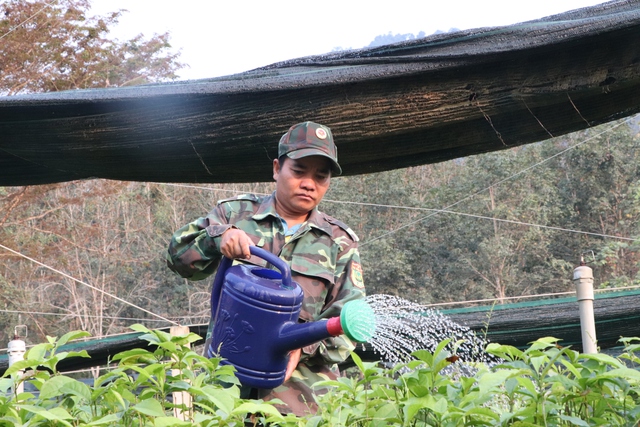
(44, 313)
(498, 183)
(88, 285)
(494, 300)
(447, 208)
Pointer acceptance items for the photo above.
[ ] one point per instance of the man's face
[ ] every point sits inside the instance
(301, 184)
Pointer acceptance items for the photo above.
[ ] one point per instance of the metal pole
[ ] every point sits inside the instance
(583, 280)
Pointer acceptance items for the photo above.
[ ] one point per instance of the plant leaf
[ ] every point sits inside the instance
(150, 407)
(257, 408)
(70, 336)
(107, 419)
(170, 422)
(53, 386)
(489, 381)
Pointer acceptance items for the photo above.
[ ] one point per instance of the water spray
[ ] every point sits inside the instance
(403, 327)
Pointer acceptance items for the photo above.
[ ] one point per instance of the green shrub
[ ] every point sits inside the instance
(135, 393)
(544, 385)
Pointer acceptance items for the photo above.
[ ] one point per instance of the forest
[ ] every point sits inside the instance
(491, 227)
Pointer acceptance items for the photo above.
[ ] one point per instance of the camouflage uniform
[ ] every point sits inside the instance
(324, 260)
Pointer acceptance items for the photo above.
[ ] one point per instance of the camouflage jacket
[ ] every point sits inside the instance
(323, 257)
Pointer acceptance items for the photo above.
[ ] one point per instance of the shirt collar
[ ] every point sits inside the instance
(316, 219)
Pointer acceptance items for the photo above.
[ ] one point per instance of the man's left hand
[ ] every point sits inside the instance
(294, 359)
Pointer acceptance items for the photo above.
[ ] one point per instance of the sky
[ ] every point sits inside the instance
(222, 37)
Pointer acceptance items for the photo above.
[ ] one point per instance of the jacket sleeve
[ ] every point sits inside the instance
(193, 250)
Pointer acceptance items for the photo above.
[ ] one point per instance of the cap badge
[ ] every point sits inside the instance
(321, 133)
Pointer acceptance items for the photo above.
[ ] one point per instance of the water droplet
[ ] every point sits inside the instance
(403, 327)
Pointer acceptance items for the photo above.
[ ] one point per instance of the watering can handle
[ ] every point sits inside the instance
(225, 263)
(276, 262)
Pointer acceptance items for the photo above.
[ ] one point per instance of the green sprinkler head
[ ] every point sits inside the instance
(358, 321)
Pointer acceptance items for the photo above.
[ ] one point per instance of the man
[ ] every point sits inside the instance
(321, 251)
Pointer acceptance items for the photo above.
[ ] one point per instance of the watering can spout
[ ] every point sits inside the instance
(297, 335)
(357, 321)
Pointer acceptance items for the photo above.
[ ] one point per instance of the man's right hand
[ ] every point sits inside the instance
(235, 244)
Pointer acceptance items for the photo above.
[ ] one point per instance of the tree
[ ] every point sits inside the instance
(431, 257)
(51, 46)
(81, 228)
(600, 188)
(389, 38)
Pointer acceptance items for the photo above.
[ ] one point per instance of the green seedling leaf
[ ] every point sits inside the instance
(169, 346)
(151, 338)
(150, 407)
(6, 384)
(574, 421)
(358, 361)
(107, 419)
(170, 422)
(626, 373)
(191, 338)
(51, 388)
(53, 414)
(140, 328)
(571, 368)
(490, 381)
(118, 397)
(52, 362)
(221, 398)
(77, 388)
(484, 412)
(603, 359)
(424, 356)
(387, 412)
(38, 352)
(257, 408)
(415, 404)
(135, 354)
(22, 365)
(145, 374)
(527, 384)
(504, 351)
(70, 336)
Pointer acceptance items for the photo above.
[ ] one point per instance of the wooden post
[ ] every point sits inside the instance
(181, 397)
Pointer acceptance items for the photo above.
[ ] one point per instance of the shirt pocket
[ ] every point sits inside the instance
(316, 279)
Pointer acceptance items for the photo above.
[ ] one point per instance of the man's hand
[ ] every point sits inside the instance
(294, 359)
(235, 244)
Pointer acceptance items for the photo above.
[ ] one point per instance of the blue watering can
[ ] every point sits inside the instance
(255, 313)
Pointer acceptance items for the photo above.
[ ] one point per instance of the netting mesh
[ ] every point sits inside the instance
(416, 102)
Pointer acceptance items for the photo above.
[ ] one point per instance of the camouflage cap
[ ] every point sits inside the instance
(310, 139)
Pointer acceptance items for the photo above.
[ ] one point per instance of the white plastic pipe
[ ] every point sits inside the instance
(16, 350)
(583, 280)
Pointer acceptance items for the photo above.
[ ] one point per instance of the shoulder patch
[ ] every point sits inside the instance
(356, 275)
(250, 197)
(345, 227)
